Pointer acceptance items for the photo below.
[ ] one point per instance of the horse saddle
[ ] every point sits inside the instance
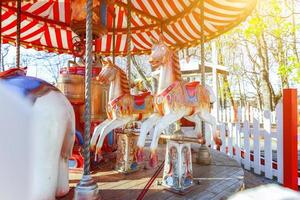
(12, 72)
(139, 100)
(25, 85)
(191, 90)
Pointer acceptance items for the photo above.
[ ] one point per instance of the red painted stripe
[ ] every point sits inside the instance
(69, 36)
(178, 33)
(185, 30)
(151, 36)
(33, 34)
(208, 10)
(118, 43)
(173, 6)
(13, 24)
(154, 8)
(58, 38)
(41, 9)
(175, 38)
(6, 15)
(218, 5)
(134, 23)
(23, 28)
(145, 40)
(56, 11)
(98, 45)
(197, 16)
(25, 6)
(48, 38)
(119, 37)
(162, 5)
(36, 17)
(182, 4)
(137, 44)
(143, 7)
(143, 21)
(67, 11)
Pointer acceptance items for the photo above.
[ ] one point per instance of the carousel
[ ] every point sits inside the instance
(90, 133)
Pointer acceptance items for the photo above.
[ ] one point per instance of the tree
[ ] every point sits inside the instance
(263, 49)
(4, 53)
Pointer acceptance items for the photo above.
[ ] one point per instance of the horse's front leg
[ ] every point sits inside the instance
(146, 126)
(162, 124)
(108, 127)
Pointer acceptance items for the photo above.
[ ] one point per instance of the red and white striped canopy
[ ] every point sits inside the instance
(46, 23)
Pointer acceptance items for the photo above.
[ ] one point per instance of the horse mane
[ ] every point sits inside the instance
(124, 80)
(175, 65)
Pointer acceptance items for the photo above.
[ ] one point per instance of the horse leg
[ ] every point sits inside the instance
(97, 132)
(164, 122)
(207, 117)
(197, 131)
(146, 126)
(111, 125)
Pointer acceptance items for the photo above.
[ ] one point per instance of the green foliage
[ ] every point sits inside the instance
(296, 77)
(255, 27)
(267, 42)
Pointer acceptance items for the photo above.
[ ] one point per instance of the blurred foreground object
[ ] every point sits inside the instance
(37, 126)
(271, 191)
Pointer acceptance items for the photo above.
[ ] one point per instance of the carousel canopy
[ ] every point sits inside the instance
(45, 24)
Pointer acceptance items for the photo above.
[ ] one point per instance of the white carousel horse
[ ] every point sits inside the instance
(37, 136)
(175, 99)
(122, 106)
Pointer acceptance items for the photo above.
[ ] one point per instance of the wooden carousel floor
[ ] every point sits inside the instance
(216, 181)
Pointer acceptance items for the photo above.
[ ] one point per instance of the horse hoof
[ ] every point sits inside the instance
(139, 155)
(153, 162)
(93, 148)
(218, 141)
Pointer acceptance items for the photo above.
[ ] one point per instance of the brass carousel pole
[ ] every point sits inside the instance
(114, 37)
(129, 42)
(204, 156)
(18, 33)
(87, 189)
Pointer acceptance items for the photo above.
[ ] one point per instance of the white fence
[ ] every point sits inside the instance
(255, 140)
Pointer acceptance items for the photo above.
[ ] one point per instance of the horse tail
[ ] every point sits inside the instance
(212, 96)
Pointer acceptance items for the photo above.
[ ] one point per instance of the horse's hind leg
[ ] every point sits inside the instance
(197, 131)
(207, 117)
(164, 122)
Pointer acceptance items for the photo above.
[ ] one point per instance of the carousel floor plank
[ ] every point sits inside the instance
(216, 181)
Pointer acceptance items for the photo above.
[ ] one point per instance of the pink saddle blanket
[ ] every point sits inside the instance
(191, 88)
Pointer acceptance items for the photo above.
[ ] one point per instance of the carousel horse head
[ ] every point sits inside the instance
(160, 53)
(108, 72)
